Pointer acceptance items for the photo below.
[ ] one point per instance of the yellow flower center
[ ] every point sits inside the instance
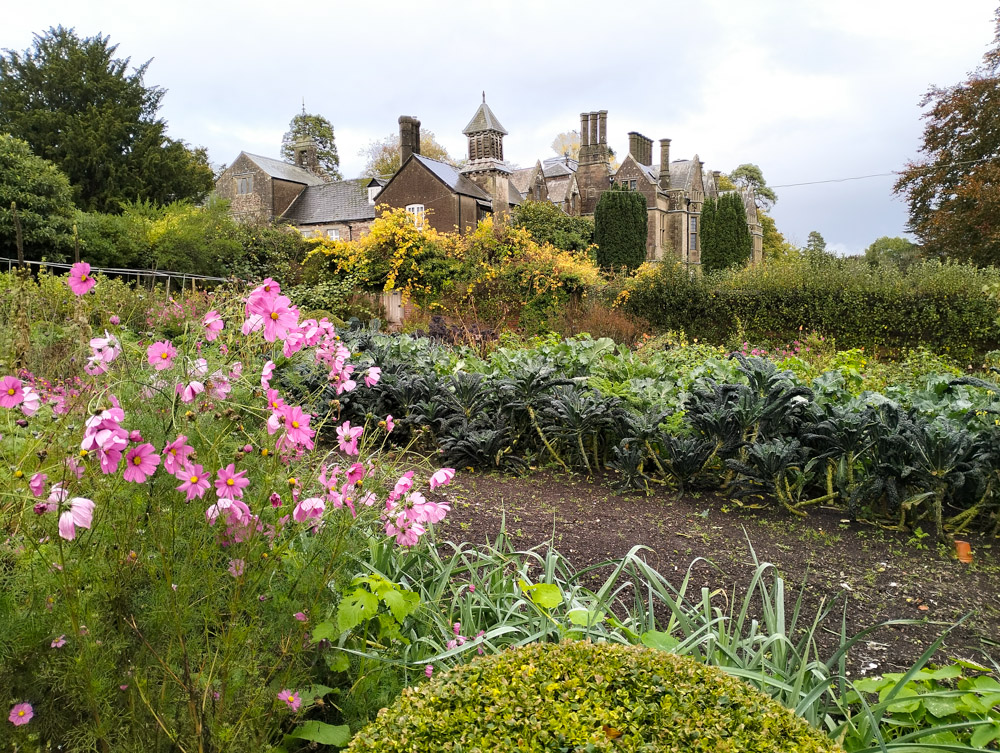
(137, 460)
(83, 278)
(229, 482)
(295, 424)
(264, 452)
(11, 391)
(18, 473)
(194, 479)
(274, 314)
(21, 712)
(174, 453)
(83, 453)
(164, 355)
(275, 405)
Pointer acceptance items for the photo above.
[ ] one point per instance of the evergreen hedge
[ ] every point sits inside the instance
(941, 306)
(725, 237)
(620, 222)
(580, 696)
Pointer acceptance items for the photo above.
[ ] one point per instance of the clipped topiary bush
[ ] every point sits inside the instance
(579, 696)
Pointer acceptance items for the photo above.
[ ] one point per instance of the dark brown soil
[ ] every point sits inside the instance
(884, 574)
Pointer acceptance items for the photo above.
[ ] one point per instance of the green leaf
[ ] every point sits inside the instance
(940, 707)
(546, 595)
(584, 617)
(985, 734)
(659, 641)
(325, 630)
(320, 732)
(355, 609)
(400, 601)
(905, 701)
(947, 672)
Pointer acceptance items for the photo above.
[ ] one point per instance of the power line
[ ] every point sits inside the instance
(883, 175)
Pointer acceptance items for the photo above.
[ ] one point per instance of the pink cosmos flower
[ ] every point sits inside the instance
(429, 670)
(59, 642)
(236, 568)
(274, 401)
(265, 375)
(389, 424)
(115, 320)
(218, 385)
(213, 324)
(140, 463)
(311, 507)
(21, 713)
(160, 355)
(80, 280)
(403, 485)
(175, 455)
(194, 481)
(442, 477)
(229, 484)
(347, 438)
(279, 317)
(11, 392)
(74, 466)
(189, 391)
(80, 513)
(373, 375)
(406, 531)
(267, 290)
(355, 474)
(104, 350)
(37, 484)
(301, 617)
(32, 402)
(292, 699)
(297, 426)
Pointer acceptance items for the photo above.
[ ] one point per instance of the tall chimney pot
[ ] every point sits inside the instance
(664, 164)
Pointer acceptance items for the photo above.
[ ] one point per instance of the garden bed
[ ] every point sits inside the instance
(884, 574)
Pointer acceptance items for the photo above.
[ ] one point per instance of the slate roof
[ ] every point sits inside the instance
(484, 120)
(513, 195)
(283, 171)
(557, 166)
(681, 171)
(521, 179)
(558, 188)
(340, 201)
(452, 178)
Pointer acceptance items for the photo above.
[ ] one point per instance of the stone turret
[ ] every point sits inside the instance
(485, 166)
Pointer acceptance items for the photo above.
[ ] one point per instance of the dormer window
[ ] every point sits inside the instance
(373, 191)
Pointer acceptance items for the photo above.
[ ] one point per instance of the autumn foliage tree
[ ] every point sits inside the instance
(382, 157)
(953, 194)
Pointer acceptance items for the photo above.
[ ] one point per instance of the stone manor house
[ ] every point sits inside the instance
(446, 197)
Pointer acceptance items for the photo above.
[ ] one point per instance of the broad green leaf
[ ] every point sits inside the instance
(320, 732)
(872, 684)
(947, 672)
(659, 641)
(400, 602)
(905, 701)
(545, 595)
(986, 683)
(940, 707)
(337, 661)
(985, 734)
(355, 609)
(325, 630)
(314, 691)
(585, 617)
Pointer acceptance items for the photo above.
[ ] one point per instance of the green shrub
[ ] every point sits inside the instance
(880, 309)
(579, 696)
(547, 223)
(620, 223)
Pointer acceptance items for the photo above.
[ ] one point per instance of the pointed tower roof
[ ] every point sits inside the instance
(484, 120)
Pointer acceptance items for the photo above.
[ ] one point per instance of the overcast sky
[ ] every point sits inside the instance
(809, 91)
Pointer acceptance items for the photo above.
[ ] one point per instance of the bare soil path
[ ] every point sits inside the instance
(884, 574)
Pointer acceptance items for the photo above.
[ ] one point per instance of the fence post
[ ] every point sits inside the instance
(18, 237)
(168, 287)
(76, 244)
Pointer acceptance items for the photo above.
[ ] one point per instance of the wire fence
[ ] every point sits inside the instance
(142, 276)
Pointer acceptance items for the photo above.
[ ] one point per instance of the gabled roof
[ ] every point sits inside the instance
(450, 176)
(284, 171)
(559, 188)
(681, 173)
(513, 195)
(339, 201)
(484, 120)
(554, 166)
(525, 176)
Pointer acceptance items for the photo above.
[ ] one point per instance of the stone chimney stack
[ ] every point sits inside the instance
(409, 137)
(584, 129)
(641, 148)
(602, 123)
(664, 164)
